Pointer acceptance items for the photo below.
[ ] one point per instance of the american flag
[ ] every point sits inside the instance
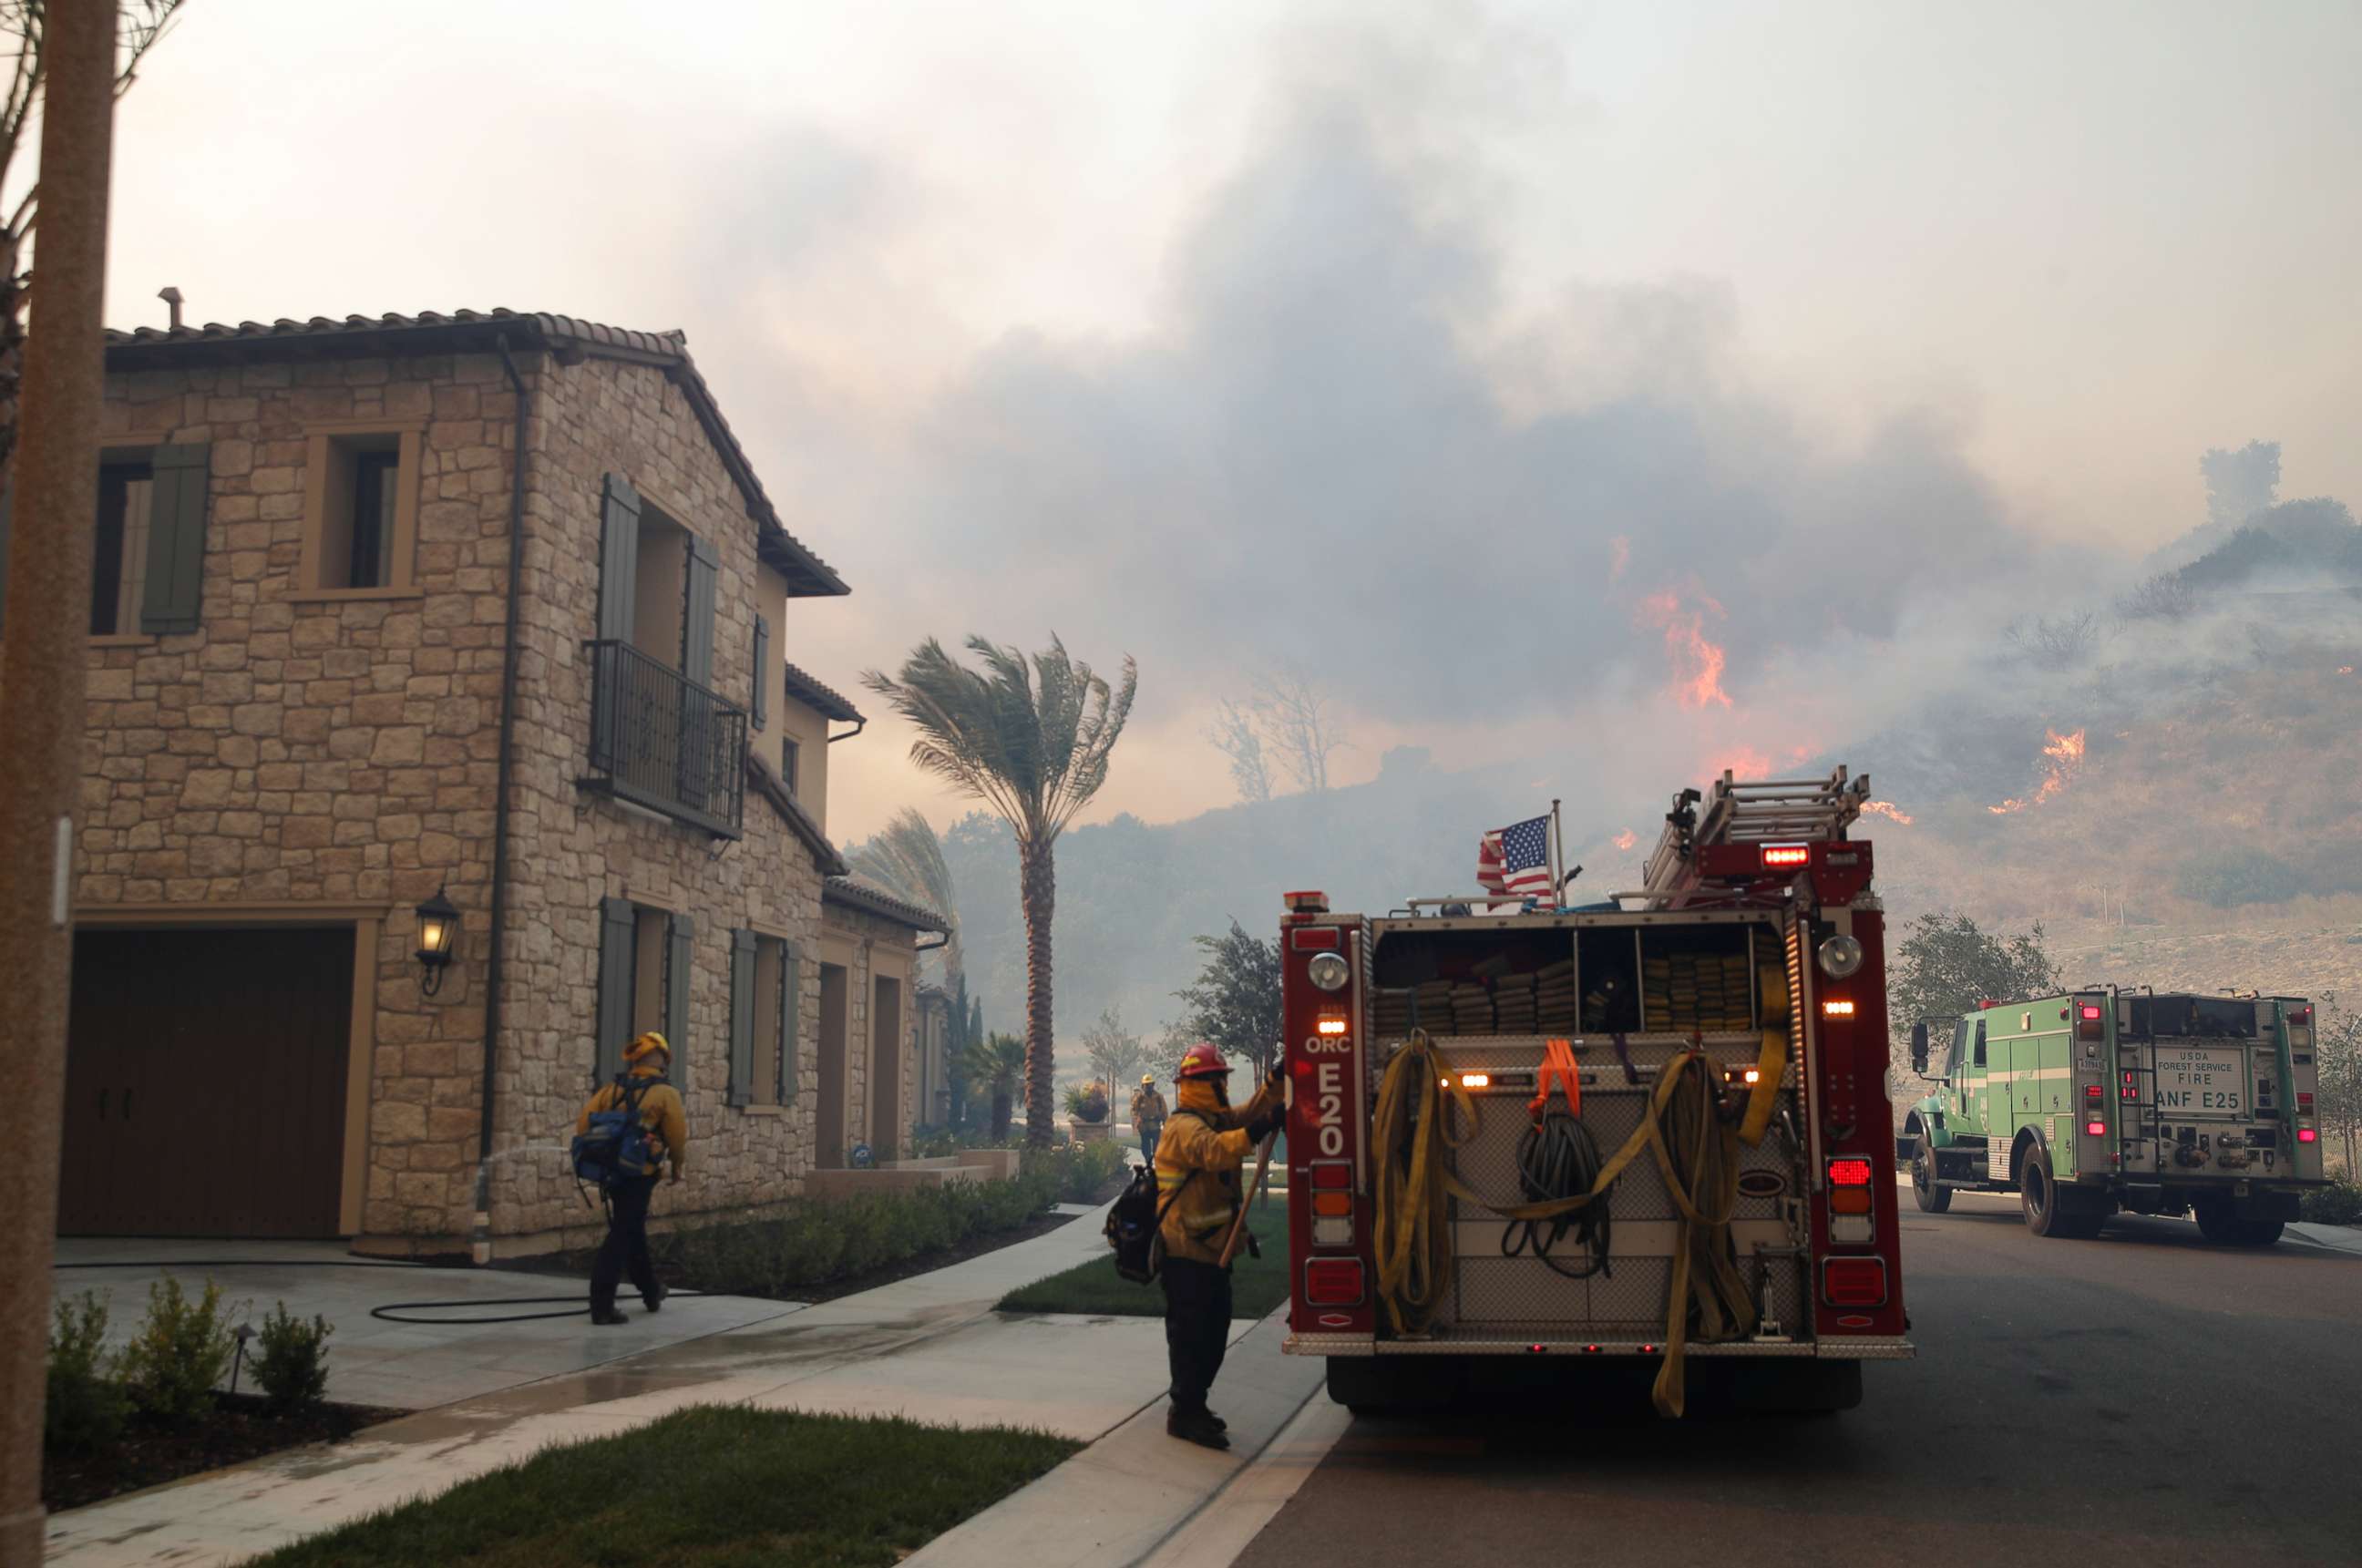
(1513, 861)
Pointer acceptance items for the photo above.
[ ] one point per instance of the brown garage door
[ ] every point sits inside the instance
(205, 1083)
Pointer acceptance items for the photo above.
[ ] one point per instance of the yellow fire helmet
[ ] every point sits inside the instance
(651, 1041)
(1148, 1079)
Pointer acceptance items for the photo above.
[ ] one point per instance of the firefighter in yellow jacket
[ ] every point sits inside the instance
(1197, 1159)
(625, 1250)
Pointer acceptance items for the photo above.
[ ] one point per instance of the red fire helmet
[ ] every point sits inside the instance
(1202, 1061)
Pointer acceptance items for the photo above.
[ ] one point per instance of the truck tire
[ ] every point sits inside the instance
(1931, 1198)
(2219, 1223)
(1794, 1387)
(2049, 1211)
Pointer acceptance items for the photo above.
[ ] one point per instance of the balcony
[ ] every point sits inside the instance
(661, 741)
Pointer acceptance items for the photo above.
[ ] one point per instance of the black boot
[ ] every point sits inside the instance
(608, 1317)
(655, 1303)
(1195, 1425)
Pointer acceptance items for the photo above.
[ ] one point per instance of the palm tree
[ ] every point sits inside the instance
(908, 859)
(1031, 741)
(996, 1061)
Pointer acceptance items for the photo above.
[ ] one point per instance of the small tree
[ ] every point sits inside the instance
(1302, 725)
(1946, 965)
(1235, 734)
(1115, 1053)
(1235, 1001)
(2338, 1053)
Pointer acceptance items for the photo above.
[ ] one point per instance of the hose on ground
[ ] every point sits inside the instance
(580, 1307)
(1682, 1125)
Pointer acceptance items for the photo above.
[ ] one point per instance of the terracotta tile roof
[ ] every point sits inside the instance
(857, 892)
(819, 698)
(430, 332)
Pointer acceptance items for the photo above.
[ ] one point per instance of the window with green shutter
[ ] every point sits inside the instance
(174, 568)
(742, 1016)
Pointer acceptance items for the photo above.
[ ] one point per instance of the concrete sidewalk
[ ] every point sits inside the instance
(930, 1347)
(1125, 1495)
(401, 1366)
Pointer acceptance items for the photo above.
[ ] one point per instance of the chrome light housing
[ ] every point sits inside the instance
(1328, 971)
(1841, 956)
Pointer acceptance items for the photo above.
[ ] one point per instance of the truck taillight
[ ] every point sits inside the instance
(2096, 1129)
(1332, 1177)
(1334, 1282)
(1854, 1282)
(2307, 1135)
(2091, 1091)
(2304, 1100)
(1786, 854)
(2090, 1022)
(1849, 1170)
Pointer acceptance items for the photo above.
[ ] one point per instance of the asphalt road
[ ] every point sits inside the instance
(2144, 1398)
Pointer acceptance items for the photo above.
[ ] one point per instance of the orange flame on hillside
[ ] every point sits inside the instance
(1886, 809)
(2065, 755)
(1625, 839)
(1697, 662)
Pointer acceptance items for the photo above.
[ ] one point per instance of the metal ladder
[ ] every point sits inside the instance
(1770, 811)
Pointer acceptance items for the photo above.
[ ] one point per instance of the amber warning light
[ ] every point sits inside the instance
(1835, 1008)
(1331, 1026)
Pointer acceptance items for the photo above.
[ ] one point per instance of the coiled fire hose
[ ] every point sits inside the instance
(1422, 1113)
(1558, 1158)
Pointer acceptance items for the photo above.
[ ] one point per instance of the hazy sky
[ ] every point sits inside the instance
(1471, 356)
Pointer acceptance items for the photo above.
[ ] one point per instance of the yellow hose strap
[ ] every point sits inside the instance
(1770, 1066)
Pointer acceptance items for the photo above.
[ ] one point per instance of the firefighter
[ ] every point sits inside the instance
(1205, 1141)
(1147, 1116)
(625, 1250)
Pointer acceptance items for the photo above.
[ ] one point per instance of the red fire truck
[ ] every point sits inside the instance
(1648, 1134)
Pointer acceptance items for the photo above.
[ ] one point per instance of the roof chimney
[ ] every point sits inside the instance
(171, 296)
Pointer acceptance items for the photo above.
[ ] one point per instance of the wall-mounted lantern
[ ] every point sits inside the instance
(438, 930)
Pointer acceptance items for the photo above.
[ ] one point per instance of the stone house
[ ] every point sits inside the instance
(305, 721)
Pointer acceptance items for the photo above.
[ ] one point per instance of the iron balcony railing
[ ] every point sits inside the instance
(659, 740)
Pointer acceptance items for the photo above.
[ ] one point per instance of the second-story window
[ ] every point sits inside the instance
(791, 754)
(126, 492)
(360, 523)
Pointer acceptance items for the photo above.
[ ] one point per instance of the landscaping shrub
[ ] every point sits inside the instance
(1077, 1173)
(813, 1241)
(2340, 1203)
(86, 1407)
(183, 1349)
(291, 1367)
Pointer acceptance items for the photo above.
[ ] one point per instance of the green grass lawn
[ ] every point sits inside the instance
(713, 1486)
(1257, 1284)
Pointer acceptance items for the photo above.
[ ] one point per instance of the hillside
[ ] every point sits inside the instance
(2192, 778)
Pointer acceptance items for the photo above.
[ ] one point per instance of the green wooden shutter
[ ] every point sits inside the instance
(677, 969)
(791, 1013)
(762, 668)
(742, 1016)
(697, 644)
(616, 963)
(619, 560)
(176, 541)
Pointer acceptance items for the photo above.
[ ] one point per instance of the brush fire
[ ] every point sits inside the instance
(2066, 759)
(1696, 661)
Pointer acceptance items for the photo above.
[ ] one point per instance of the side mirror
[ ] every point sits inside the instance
(1919, 1049)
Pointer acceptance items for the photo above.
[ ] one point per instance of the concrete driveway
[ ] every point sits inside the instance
(397, 1365)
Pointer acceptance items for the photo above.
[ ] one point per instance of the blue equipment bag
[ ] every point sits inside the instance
(616, 1148)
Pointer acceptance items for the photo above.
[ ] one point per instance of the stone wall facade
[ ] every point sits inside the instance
(334, 755)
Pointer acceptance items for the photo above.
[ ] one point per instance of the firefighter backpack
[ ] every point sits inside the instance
(1136, 1223)
(616, 1148)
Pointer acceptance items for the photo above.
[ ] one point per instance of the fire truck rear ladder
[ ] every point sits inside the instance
(1770, 811)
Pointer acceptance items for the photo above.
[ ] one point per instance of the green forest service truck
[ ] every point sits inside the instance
(2097, 1100)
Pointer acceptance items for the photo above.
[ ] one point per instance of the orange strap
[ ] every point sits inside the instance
(1558, 1066)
